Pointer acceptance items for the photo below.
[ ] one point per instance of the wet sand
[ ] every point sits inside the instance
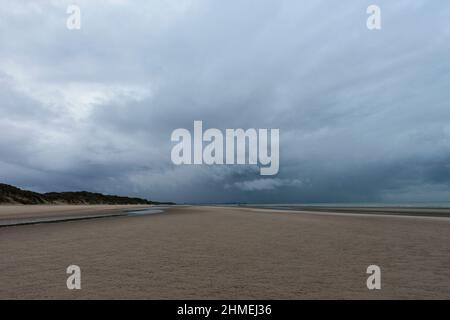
(17, 215)
(227, 252)
(37, 211)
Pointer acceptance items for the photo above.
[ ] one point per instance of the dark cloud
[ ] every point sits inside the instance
(363, 115)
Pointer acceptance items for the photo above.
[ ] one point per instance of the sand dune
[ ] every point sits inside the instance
(230, 252)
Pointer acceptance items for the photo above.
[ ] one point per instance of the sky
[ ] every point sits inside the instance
(363, 114)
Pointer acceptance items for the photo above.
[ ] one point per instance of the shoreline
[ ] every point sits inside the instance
(24, 216)
(21, 215)
(369, 211)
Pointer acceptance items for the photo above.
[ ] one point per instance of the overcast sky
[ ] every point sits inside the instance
(363, 115)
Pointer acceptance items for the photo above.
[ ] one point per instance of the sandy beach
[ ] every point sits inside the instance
(15, 212)
(201, 252)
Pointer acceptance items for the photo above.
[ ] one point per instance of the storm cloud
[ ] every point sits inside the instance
(363, 115)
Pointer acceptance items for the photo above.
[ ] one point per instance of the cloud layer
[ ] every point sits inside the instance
(363, 115)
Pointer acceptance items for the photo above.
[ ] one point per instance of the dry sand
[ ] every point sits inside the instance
(231, 253)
